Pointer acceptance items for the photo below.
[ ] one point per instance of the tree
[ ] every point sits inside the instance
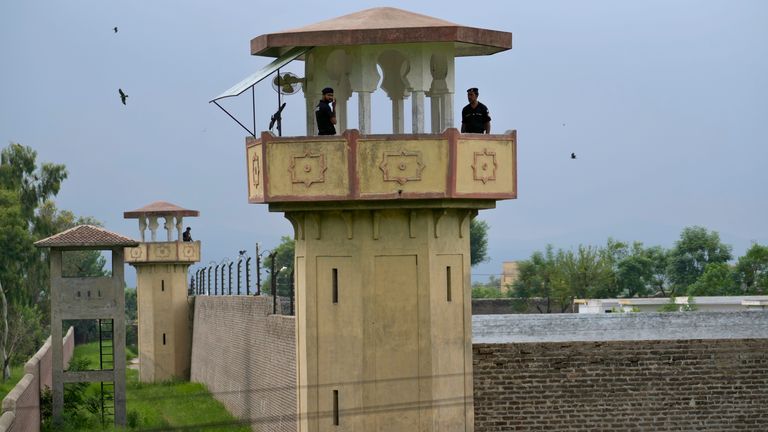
(23, 188)
(26, 215)
(16, 240)
(478, 241)
(695, 249)
(490, 289)
(588, 273)
(658, 278)
(541, 276)
(718, 279)
(21, 332)
(634, 272)
(284, 256)
(752, 270)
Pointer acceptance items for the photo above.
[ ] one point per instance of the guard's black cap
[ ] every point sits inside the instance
(327, 90)
(473, 90)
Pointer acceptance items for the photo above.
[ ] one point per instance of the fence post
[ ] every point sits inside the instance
(230, 276)
(216, 280)
(273, 285)
(258, 270)
(239, 272)
(292, 291)
(248, 276)
(208, 285)
(223, 266)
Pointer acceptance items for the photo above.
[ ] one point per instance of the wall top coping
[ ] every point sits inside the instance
(619, 327)
(9, 402)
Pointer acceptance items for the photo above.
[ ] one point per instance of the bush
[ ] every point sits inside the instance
(133, 419)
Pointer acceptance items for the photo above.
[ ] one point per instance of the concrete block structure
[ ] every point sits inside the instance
(99, 298)
(654, 304)
(381, 222)
(165, 335)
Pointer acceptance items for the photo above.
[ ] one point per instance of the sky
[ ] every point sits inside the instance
(664, 102)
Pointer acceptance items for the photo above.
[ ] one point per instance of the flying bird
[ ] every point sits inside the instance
(242, 252)
(123, 96)
(115, 29)
(573, 155)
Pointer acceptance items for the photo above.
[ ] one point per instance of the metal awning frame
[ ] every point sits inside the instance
(252, 80)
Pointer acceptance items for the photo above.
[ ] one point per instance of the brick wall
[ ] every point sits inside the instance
(650, 385)
(246, 357)
(21, 407)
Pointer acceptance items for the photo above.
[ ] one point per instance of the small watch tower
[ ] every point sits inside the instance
(96, 298)
(165, 336)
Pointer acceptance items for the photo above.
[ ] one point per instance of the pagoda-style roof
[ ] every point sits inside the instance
(86, 237)
(160, 208)
(384, 25)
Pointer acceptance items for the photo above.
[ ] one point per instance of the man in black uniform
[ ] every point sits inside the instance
(325, 113)
(475, 117)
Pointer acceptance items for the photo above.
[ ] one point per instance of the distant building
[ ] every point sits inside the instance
(703, 304)
(509, 274)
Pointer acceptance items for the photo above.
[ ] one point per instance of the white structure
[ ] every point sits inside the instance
(702, 304)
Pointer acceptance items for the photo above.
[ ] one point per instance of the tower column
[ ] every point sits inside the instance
(165, 336)
(392, 288)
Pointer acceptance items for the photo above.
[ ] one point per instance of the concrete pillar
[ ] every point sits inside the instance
(179, 227)
(169, 228)
(142, 227)
(435, 108)
(447, 111)
(364, 112)
(153, 228)
(398, 118)
(57, 358)
(417, 112)
(311, 102)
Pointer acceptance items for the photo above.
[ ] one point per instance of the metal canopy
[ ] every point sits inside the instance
(264, 72)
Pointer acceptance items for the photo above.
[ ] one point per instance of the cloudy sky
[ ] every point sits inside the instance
(664, 102)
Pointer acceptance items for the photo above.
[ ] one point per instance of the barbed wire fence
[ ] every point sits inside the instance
(229, 277)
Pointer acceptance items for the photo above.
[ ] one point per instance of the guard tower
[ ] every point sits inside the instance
(165, 336)
(99, 298)
(381, 222)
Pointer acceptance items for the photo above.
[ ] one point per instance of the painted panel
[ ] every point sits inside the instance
(306, 169)
(413, 166)
(255, 173)
(485, 166)
(395, 344)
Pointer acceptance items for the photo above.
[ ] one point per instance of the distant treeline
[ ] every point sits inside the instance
(699, 264)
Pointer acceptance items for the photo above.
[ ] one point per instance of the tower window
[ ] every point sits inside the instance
(335, 275)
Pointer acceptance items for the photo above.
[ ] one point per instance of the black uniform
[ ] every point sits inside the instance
(474, 119)
(323, 114)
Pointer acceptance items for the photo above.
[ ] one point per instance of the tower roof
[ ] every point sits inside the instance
(160, 208)
(384, 25)
(86, 237)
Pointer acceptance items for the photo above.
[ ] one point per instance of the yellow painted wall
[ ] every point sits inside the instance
(394, 346)
(163, 309)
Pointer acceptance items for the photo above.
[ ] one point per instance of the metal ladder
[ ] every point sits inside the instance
(107, 362)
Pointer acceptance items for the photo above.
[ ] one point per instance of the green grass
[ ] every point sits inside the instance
(174, 404)
(17, 373)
